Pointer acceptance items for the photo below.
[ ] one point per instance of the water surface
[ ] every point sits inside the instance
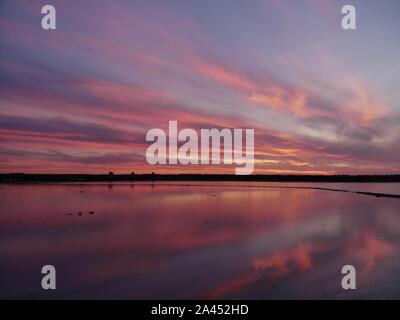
(199, 240)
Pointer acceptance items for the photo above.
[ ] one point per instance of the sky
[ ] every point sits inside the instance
(81, 98)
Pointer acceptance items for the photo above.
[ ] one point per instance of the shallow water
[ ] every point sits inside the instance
(199, 240)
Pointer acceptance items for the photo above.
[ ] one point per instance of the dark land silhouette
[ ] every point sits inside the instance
(54, 178)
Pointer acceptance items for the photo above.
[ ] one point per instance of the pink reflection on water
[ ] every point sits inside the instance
(369, 250)
(224, 240)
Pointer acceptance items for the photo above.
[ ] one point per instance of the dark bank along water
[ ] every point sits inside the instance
(180, 240)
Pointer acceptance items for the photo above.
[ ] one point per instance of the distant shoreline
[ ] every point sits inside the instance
(37, 178)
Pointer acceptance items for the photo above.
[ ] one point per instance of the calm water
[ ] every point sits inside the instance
(204, 240)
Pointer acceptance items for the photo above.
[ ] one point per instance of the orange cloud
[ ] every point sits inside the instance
(280, 98)
(266, 93)
(223, 74)
(362, 109)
